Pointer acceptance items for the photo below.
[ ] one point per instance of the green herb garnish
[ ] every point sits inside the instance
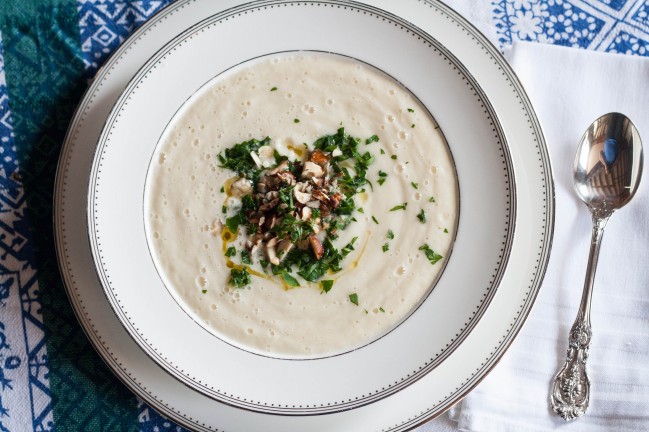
(290, 280)
(432, 256)
(414, 185)
(386, 247)
(348, 247)
(432, 199)
(399, 207)
(232, 223)
(273, 89)
(422, 216)
(374, 220)
(382, 176)
(230, 252)
(371, 139)
(354, 298)
(238, 159)
(296, 120)
(326, 284)
(239, 278)
(411, 110)
(348, 146)
(390, 234)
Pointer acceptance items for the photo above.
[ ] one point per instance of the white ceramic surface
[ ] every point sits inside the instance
(424, 382)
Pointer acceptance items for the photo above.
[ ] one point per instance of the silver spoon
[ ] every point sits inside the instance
(607, 171)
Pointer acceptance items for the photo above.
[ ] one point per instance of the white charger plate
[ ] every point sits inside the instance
(427, 381)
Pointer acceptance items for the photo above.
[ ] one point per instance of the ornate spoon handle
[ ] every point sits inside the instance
(571, 388)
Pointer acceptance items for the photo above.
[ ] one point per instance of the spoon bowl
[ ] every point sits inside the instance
(608, 164)
(607, 172)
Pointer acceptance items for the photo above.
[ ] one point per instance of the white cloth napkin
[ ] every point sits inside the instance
(569, 89)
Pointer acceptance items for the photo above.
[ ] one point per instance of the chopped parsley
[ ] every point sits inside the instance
(446, 230)
(386, 247)
(204, 291)
(382, 176)
(411, 110)
(360, 210)
(348, 146)
(414, 185)
(354, 298)
(237, 158)
(245, 257)
(326, 285)
(230, 252)
(399, 207)
(382, 310)
(346, 250)
(296, 120)
(422, 216)
(390, 234)
(232, 223)
(432, 199)
(308, 267)
(290, 280)
(382, 151)
(375, 221)
(371, 140)
(273, 89)
(239, 278)
(412, 125)
(432, 256)
(393, 157)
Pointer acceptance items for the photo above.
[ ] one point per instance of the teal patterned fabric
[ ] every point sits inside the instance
(49, 49)
(50, 377)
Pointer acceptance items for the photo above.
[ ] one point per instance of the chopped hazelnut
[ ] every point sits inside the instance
(312, 170)
(316, 246)
(241, 188)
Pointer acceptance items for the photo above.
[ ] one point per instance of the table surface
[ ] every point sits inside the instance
(50, 377)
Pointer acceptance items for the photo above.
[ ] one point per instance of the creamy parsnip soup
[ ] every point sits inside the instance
(301, 205)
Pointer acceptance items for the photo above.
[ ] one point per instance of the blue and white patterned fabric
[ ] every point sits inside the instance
(37, 391)
(104, 25)
(620, 26)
